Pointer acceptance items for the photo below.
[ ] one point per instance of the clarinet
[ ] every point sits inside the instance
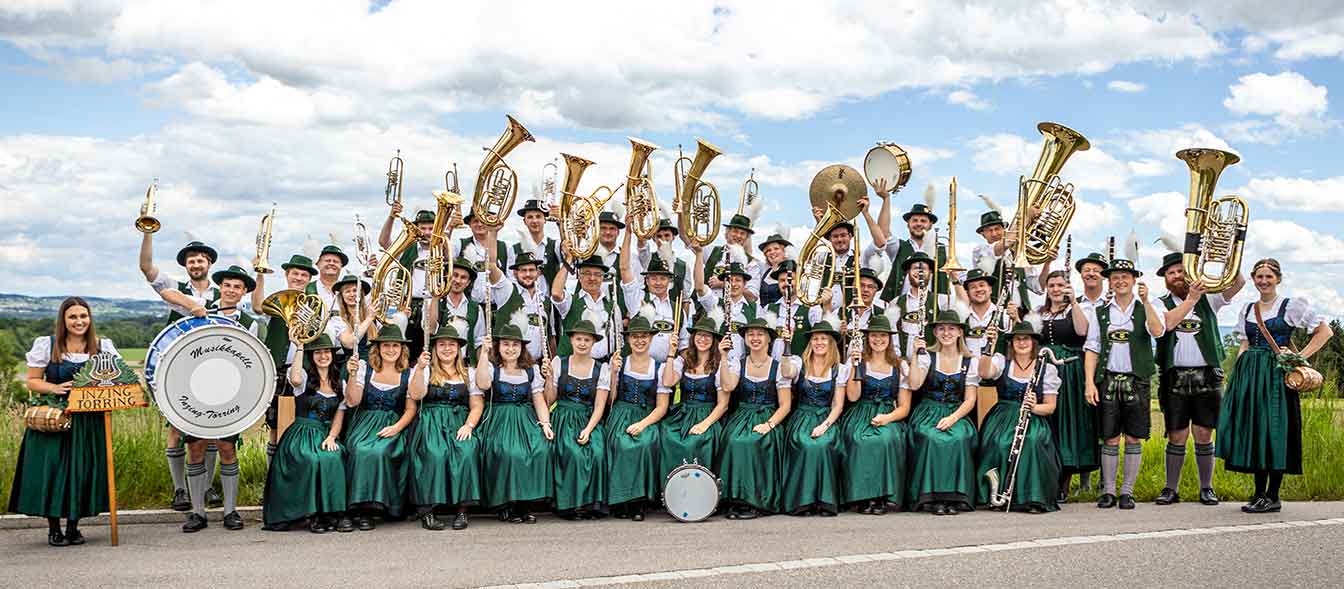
(617, 333)
(1004, 499)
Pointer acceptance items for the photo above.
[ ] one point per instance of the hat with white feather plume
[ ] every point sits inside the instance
(925, 208)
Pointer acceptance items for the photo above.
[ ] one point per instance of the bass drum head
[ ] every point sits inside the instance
(887, 161)
(214, 380)
(691, 493)
(169, 334)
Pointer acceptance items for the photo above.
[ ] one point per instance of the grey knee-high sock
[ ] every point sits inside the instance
(1175, 462)
(1110, 462)
(1133, 460)
(197, 482)
(211, 458)
(228, 476)
(177, 467)
(1204, 461)
(270, 453)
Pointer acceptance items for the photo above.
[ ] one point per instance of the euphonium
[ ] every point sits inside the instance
(641, 202)
(496, 181)
(391, 280)
(396, 172)
(836, 189)
(305, 314)
(1048, 200)
(578, 213)
(697, 200)
(439, 262)
(261, 263)
(146, 222)
(1215, 228)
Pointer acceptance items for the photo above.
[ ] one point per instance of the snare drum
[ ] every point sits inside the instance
(691, 493)
(210, 378)
(888, 161)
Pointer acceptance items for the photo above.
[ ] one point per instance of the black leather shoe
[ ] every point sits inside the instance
(74, 537)
(345, 524)
(195, 523)
(213, 498)
(233, 521)
(748, 513)
(1126, 501)
(1265, 505)
(181, 501)
(939, 509)
(1169, 496)
(364, 523)
(637, 514)
(1208, 497)
(1063, 496)
(894, 507)
(879, 508)
(316, 526)
(57, 539)
(460, 522)
(431, 523)
(1106, 501)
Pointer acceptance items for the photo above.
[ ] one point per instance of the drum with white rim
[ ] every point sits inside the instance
(888, 161)
(691, 493)
(210, 377)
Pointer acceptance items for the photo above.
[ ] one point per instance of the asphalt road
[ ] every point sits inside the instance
(494, 553)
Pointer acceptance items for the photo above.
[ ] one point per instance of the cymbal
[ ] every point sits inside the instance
(840, 186)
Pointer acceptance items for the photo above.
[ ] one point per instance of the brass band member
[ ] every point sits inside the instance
(473, 249)
(532, 238)
(330, 263)
(979, 287)
(299, 272)
(775, 251)
(459, 305)
(591, 294)
(609, 227)
(522, 292)
(737, 232)
(1074, 422)
(800, 316)
(667, 234)
(919, 222)
(1091, 269)
(992, 252)
(424, 223)
(1035, 483)
(654, 293)
(740, 309)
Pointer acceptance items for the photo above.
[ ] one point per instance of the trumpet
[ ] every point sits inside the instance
(396, 172)
(1045, 203)
(641, 202)
(697, 201)
(362, 253)
(578, 213)
(836, 189)
(439, 262)
(147, 222)
(1215, 228)
(261, 263)
(496, 181)
(750, 192)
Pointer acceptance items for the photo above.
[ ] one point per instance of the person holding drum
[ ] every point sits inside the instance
(306, 479)
(874, 438)
(692, 433)
(751, 462)
(445, 452)
(377, 457)
(633, 438)
(942, 440)
(63, 474)
(581, 440)
(811, 465)
(517, 440)
(1025, 380)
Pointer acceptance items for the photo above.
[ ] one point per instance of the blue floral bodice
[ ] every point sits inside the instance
(56, 373)
(700, 389)
(1011, 390)
(816, 394)
(313, 405)
(506, 392)
(393, 399)
(452, 393)
(944, 388)
(877, 389)
(759, 393)
(579, 390)
(639, 391)
(1277, 325)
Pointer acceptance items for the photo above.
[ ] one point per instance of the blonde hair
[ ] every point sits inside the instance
(961, 350)
(889, 354)
(438, 373)
(376, 358)
(830, 361)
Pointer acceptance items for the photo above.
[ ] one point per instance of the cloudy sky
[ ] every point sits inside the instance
(235, 105)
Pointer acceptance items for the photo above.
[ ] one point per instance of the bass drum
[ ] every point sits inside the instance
(887, 161)
(691, 493)
(210, 378)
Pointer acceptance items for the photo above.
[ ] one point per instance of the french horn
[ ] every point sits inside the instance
(305, 314)
(1215, 228)
(496, 181)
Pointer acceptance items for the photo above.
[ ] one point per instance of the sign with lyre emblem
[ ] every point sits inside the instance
(106, 383)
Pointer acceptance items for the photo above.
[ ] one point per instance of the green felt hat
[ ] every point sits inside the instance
(1119, 265)
(234, 272)
(707, 324)
(584, 326)
(920, 208)
(447, 331)
(990, 219)
(948, 317)
(506, 330)
(423, 216)
(774, 238)
(918, 256)
(351, 279)
(323, 342)
(826, 327)
(193, 247)
(757, 323)
(593, 261)
(658, 266)
(610, 217)
(742, 222)
(785, 266)
(734, 268)
(879, 323)
(523, 259)
(1092, 258)
(389, 333)
(640, 324)
(1170, 260)
(466, 266)
(975, 274)
(301, 262)
(666, 223)
(870, 274)
(1024, 328)
(336, 251)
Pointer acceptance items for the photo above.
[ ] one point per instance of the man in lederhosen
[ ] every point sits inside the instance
(299, 272)
(1118, 364)
(1190, 384)
(545, 249)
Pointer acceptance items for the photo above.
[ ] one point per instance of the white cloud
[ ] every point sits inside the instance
(1162, 144)
(967, 99)
(1125, 86)
(1296, 194)
(1289, 98)
(1014, 155)
(1286, 240)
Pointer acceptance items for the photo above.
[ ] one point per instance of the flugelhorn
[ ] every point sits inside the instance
(147, 222)
(439, 262)
(396, 173)
(305, 314)
(836, 190)
(579, 213)
(1215, 228)
(751, 191)
(496, 181)
(641, 201)
(697, 200)
(261, 263)
(1045, 202)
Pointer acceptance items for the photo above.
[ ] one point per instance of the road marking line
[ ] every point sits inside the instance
(785, 565)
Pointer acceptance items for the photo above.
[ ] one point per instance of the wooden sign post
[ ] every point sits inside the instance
(107, 384)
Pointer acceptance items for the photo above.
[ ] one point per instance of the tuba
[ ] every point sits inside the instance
(641, 202)
(304, 313)
(1045, 204)
(147, 222)
(697, 201)
(496, 181)
(836, 189)
(439, 262)
(396, 171)
(261, 263)
(1215, 228)
(578, 213)
(391, 280)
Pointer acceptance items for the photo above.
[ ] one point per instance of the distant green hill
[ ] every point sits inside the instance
(30, 307)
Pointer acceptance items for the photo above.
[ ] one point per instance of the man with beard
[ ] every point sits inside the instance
(1190, 381)
(521, 292)
(841, 237)
(919, 222)
(183, 299)
(459, 304)
(299, 272)
(655, 291)
(533, 238)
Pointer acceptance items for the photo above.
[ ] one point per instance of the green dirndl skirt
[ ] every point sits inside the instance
(1037, 482)
(304, 480)
(62, 474)
(942, 463)
(516, 455)
(811, 465)
(1074, 422)
(444, 471)
(676, 444)
(634, 474)
(872, 459)
(580, 472)
(751, 465)
(1260, 424)
(376, 467)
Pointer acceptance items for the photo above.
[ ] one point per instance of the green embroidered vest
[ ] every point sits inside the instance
(1206, 337)
(1140, 343)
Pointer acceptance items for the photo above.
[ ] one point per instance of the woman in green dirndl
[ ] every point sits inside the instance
(874, 437)
(352, 335)
(632, 439)
(693, 433)
(580, 472)
(63, 474)
(811, 451)
(445, 452)
(1074, 422)
(751, 461)
(1036, 484)
(516, 441)
(306, 479)
(1260, 424)
(376, 397)
(942, 432)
